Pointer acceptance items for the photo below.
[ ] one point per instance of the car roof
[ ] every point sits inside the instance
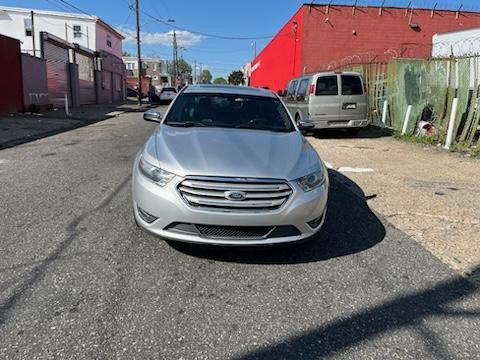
(228, 89)
(326, 73)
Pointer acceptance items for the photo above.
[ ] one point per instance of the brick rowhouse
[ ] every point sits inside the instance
(325, 37)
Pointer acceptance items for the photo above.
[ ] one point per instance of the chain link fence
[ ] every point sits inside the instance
(429, 86)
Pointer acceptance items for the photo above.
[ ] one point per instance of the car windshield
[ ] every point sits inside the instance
(229, 111)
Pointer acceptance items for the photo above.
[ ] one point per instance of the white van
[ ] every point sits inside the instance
(329, 99)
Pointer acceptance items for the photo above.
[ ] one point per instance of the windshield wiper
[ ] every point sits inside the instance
(256, 127)
(185, 124)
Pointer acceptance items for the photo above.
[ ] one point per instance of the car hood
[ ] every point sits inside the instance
(232, 153)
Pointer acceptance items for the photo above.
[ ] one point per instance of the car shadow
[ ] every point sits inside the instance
(350, 227)
(369, 132)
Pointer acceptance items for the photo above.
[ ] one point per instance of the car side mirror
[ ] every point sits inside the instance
(306, 126)
(152, 115)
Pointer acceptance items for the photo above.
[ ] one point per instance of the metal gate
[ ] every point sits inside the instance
(56, 57)
(86, 69)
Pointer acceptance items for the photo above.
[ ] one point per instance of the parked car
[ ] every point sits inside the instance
(167, 94)
(132, 92)
(329, 100)
(228, 166)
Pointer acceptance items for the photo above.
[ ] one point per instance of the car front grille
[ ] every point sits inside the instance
(245, 232)
(234, 232)
(219, 193)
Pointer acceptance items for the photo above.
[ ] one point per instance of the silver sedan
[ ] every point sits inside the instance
(228, 166)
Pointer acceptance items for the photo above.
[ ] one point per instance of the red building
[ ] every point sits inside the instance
(325, 37)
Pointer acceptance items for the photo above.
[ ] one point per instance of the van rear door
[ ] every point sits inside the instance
(354, 102)
(325, 101)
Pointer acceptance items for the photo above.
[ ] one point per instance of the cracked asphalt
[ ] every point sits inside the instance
(78, 280)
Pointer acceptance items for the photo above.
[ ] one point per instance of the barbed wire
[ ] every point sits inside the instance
(468, 47)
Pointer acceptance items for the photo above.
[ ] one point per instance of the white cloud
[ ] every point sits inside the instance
(184, 38)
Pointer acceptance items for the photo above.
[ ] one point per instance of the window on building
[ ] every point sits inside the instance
(109, 40)
(351, 85)
(154, 67)
(77, 31)
(28, 27)
(327, 85)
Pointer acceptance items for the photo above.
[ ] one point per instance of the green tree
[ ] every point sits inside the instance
(220, 80)
(235, 77)
(184, 67)
(206, 77)
(126, 53)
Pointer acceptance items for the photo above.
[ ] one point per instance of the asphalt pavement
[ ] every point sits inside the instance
(78, 279)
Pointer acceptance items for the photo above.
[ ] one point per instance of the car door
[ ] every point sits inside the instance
(301, 99)
(354, 104)
(325, 101)
(290, 97)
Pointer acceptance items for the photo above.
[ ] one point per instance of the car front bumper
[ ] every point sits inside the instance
(167, 205)
(334, 124)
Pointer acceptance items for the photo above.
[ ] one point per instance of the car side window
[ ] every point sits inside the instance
(291, 90)
(351, 85)
(302, 90)
(326, 85)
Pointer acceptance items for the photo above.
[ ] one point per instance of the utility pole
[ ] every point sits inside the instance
(254, 50)
(201, 74)
(139, 58)
(175, 62)
(33, 33)
(195, 73)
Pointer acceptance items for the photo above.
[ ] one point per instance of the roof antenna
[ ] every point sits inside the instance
(458, 11)
(380, 9)
(433, 9)
(408, 7)
(328, 6)
(354, 6)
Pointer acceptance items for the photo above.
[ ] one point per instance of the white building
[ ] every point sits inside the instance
(456, 43)
(88, 31)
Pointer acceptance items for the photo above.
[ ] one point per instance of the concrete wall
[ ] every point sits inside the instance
(11, 93)
(34, 74)
(456, 43)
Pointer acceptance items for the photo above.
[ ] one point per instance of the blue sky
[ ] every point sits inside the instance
(246, 18)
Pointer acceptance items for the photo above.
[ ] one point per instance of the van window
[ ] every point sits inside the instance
(351, 85)
(291, 89)
(302, 90)
(327, 85)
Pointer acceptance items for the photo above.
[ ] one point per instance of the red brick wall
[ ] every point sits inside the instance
(326, 40)
(331, 37)
(11, 92)
(281, 58)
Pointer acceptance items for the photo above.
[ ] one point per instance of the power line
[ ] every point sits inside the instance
(74, 7)
(204, 33)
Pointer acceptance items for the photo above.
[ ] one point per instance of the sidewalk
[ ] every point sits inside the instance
(432, 195)
(22, 128)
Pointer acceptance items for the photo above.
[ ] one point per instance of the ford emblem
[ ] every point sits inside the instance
(235, 195)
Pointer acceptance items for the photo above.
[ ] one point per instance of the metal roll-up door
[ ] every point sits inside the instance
(107, 85)
(117, 87)
(86, 79)
(57, 73)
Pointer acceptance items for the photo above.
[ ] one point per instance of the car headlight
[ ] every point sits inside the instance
(312, 181)
(155, 174)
